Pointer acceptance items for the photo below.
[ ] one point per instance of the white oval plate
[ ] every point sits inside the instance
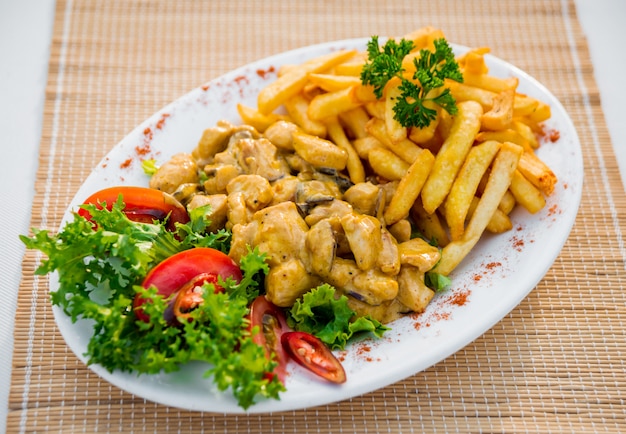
(490, 282)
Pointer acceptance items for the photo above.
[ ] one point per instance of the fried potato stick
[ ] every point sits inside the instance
(354, 165)
(395, 130)
(293, 80)
(457, 204)
(330, 104)
(451, 155)
(409, 188)
(502, 171)
(297, 107)
(404, 148)
(332, 82)
(526, 194)
(387, 164)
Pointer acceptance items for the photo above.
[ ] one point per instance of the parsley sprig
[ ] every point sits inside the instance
(427, 83)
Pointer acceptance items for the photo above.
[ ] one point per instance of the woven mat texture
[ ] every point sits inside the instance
(556, 363)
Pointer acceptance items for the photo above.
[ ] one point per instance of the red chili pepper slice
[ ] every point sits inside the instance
(310, 352)
(191, 296)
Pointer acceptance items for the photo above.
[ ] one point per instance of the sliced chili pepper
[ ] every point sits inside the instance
(314, 355)
(176, 272)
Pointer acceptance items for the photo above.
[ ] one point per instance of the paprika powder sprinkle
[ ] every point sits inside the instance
(264, 73)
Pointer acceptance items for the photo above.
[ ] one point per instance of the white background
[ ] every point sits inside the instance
(25, 36)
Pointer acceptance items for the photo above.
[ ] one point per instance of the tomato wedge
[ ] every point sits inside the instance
(314, 355)
(198, 265)
(272, 324)
(142, 205)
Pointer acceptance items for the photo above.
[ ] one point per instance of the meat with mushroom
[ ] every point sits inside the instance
(286, 194)
(371, 286)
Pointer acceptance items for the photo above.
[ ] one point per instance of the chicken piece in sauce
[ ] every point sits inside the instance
(278, 231)
(180, 169)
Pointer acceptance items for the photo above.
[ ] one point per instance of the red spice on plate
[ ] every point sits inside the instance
(518, 243)
(493, 265)
(458, 299)
(554, 135)
(161, 121)
(364, 348)
(241, 79)
(143, 150)
(554, 209)
(263, 73)
(363, 351)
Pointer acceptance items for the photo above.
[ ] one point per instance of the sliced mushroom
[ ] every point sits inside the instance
(314, 192)
(185, 192)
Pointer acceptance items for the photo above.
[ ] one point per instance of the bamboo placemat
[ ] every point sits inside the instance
(556, 363)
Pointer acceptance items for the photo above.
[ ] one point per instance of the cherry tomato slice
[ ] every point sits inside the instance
(313, 354)
(272, 324)
(142, 204)
(178, 270)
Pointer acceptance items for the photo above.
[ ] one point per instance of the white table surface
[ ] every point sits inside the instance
(25, 36)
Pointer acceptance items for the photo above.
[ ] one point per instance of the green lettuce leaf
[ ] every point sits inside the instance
(328, 317)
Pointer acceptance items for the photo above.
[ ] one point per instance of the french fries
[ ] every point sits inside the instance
(459, 200)
(409, 188)
(498, 183)
(354, 165)
(452, 155)
(452, 180)
(298, 109)
(330, 104)
(293, 81)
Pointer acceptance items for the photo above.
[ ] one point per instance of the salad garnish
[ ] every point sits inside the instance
(106, 263)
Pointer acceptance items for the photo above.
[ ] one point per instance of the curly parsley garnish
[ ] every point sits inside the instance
(431, 69)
